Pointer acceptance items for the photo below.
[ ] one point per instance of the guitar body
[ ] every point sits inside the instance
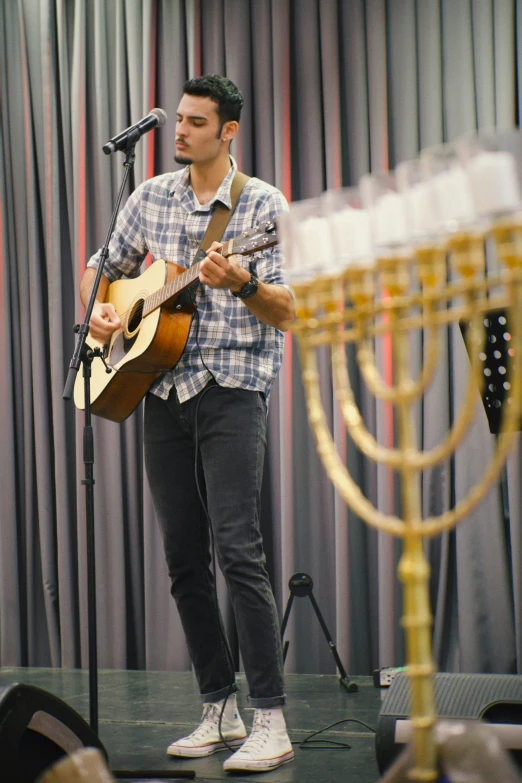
(146, 348)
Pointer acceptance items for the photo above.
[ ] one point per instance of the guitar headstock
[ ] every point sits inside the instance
(259, 238)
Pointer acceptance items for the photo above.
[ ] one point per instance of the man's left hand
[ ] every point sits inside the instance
(217, 271)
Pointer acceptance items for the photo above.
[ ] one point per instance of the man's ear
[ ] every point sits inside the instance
(229, 130)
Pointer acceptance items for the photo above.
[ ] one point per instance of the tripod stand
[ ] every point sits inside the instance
(301, 585)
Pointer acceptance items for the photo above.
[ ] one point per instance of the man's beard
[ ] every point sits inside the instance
(179, 157)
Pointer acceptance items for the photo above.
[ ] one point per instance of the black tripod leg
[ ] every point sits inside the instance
(350, 686)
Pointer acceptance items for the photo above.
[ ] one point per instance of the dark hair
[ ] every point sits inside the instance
(222, 91)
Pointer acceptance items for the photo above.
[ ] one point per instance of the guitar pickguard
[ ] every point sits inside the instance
(120, 347)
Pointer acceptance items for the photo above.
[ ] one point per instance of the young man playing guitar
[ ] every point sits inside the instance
(214, 400)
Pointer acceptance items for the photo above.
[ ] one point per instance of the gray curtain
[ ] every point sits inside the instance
(333, 88)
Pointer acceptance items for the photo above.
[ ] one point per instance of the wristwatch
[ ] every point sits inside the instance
(249, 289)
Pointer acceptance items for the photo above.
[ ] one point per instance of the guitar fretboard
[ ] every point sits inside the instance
(176, 286)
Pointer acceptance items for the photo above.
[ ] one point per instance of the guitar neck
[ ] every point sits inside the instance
(171, 289)
(176, 286)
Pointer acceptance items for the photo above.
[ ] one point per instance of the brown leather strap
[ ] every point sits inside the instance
(222, 214)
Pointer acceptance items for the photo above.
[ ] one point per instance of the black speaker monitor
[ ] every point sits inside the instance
(494, 698)
(36, 730)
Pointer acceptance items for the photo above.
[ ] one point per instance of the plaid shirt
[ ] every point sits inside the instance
(164, 217)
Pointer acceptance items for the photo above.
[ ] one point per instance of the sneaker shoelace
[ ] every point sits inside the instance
(259, 734)
(209, 721)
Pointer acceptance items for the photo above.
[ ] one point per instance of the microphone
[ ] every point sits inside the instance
(156, 118)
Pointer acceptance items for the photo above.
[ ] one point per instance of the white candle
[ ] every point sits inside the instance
(351, 235)
(494, 182)
(361, 240)
(422, 210)
(453, 195)
(389, 220)
(341, 229)
(315, 246)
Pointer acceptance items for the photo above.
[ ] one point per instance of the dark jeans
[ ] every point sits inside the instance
(231, 429)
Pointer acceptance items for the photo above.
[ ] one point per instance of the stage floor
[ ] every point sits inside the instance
(140, 713)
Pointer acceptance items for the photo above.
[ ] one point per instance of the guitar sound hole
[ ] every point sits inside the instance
(135, 317)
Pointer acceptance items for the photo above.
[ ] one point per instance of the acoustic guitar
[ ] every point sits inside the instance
(156, 314)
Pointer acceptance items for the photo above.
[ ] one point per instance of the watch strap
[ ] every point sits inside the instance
(249, 288)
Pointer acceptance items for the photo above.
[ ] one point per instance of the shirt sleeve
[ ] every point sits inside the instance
(127, 246)
(268, 265)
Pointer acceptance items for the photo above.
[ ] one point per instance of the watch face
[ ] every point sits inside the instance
(249, 289)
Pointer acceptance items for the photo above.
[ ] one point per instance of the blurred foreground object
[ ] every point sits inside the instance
(84, 766)
(400, 257)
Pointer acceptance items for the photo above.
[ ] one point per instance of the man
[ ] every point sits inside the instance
(213, 402)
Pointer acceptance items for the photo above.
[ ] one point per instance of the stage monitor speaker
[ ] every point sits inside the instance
(37, 729)
(494, 698)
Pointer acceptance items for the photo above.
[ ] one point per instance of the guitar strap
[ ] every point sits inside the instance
(215, 230)
(222, 214)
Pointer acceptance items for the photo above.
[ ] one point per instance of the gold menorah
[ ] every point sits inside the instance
(405, 290)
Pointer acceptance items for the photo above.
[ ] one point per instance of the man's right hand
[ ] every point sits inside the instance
(104, 322)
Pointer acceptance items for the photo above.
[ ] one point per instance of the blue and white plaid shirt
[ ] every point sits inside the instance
(163, 216)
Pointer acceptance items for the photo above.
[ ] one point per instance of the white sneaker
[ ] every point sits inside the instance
(205, 740)
(267, 747)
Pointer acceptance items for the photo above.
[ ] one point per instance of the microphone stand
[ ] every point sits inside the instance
(85, 355)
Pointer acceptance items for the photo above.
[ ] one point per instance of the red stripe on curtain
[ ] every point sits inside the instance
(3, 262)
(152, 92)
(197, 39)
(287, 147)
(336, 140)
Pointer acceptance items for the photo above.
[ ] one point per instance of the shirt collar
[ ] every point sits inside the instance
(186, 195)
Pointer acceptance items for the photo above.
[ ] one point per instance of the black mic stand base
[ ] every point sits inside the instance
(301, 585)
(348, 685)
(153, 774)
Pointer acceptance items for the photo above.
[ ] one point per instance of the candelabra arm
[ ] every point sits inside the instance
(395, 458)
(408, 389)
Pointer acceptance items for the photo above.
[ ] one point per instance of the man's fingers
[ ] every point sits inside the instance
(215, 246)
(217, 259)
(212, 266)
(106, 314)
(104, 322)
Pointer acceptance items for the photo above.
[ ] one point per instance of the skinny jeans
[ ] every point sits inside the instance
(230, 428)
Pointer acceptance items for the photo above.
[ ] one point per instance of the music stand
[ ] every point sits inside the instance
(495, 357)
